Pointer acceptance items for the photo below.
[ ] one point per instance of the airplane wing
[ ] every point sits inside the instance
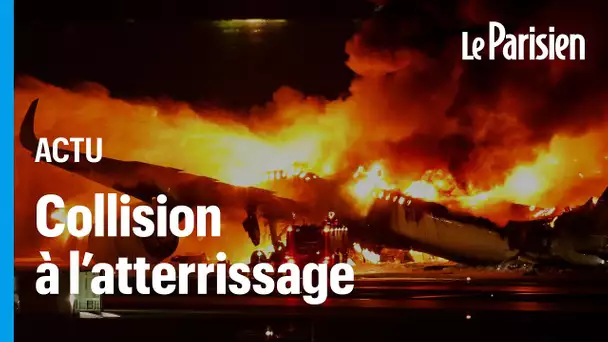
(432, 228)
(578, 238)
(146, 181)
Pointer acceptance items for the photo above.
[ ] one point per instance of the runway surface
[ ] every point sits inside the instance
(471, 304)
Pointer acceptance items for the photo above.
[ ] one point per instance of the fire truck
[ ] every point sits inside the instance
(317, 243)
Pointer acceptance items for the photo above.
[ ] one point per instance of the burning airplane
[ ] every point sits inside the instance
(395, 219)
(418, 151)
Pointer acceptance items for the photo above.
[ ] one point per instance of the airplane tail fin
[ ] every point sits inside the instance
(27, 136)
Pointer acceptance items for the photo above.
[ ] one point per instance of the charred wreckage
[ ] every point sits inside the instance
(575, 238)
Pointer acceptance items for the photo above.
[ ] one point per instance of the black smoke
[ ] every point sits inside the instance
(490, 107)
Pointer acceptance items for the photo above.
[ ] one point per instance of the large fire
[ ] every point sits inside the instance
(433, 140)
(365, 254)
(306, 134)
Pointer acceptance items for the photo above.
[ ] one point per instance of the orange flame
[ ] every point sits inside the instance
(366, 255)
(293, 130)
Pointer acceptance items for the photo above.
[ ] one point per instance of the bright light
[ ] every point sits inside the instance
(109, 315)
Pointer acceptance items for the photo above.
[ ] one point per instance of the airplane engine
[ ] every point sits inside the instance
(160, 248)
(154, 249)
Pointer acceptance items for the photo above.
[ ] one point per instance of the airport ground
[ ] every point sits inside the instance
(417, 302)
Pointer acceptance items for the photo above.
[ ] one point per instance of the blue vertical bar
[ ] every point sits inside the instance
(7, 118)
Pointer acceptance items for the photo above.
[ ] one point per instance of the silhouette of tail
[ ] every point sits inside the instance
(27, 136)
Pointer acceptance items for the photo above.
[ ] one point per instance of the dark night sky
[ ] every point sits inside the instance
(159, 48)
(199, 9)
(170, 48)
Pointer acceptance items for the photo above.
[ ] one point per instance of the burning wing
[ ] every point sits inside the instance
(576, 238)
(145, 182)
(433, 229)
